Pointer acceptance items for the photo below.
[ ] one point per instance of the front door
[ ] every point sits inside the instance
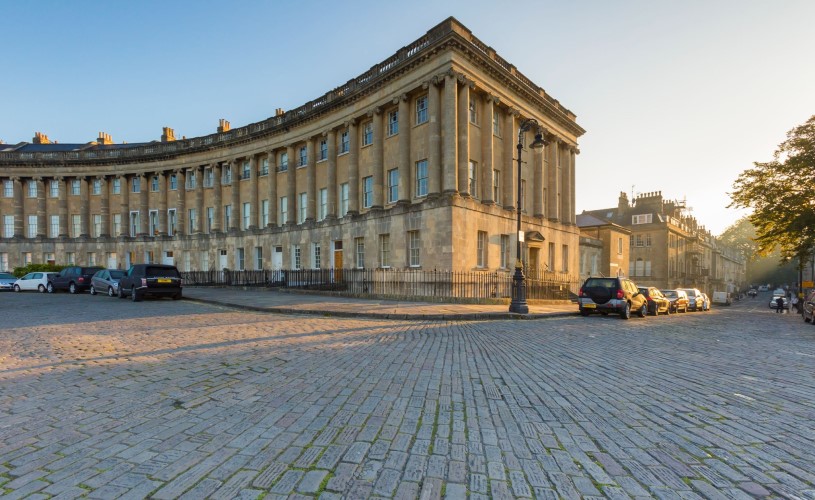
(221, 259)
(337, 261)
(534, 262)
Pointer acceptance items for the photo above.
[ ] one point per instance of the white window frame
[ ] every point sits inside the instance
(481, 249)
(421, 109)
(421, 178)
(322, 207)
(368, 133)
(117, 185)
(344, 195)
(359, 252)
(367, 191)
(302, 207)
(345, 142)
(393, 185)
(32, 226)
(385, 251)
(393, 123)
(414, 248)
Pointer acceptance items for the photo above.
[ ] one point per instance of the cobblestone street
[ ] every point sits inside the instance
(108, 399)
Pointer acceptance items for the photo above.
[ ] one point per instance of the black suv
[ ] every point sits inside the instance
(74, 279)
(159, 280)
(616, 295)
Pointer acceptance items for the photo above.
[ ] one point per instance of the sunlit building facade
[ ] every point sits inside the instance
(410, 165)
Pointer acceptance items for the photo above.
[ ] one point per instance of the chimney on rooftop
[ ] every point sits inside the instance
(279, 112)
(40, 138)
(168, 135)
(104, 139)
(223, 126)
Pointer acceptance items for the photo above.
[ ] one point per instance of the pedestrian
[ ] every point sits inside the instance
(794, 303)
(779, 304)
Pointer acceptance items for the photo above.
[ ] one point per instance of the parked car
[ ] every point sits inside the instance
(774, 301)
(158, 280)
(695, 301)
(7, 281)
(106, 281)
(705, 302)
(617, 295)
(657, 303)
(678, 298)
(37, 280)
(752, 292)
(809, 308)
(724, 299)
(75, 279)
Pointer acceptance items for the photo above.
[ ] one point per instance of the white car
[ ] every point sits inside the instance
(774, 304)
(37, 280)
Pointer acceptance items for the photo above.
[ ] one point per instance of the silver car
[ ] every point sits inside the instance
(7, 281)
(106, 281)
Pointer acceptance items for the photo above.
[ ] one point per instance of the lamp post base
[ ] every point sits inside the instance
(518, 303)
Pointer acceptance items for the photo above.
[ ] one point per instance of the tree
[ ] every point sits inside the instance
(780, 194)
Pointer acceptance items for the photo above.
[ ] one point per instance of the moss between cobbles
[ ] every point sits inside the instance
(324, 483)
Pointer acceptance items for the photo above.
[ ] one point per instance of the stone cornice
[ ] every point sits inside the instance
(447, 35)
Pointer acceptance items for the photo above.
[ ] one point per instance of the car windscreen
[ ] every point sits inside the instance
(155, 272)
(117, 274)
(669, 293)
(7, 276)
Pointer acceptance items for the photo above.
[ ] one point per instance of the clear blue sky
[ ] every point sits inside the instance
(677, 96)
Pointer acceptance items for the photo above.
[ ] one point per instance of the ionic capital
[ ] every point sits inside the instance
(513, 112)
(494, 99)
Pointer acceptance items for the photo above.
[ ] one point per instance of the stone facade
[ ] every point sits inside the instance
(612, 256)
(669, 248)
(410, 165)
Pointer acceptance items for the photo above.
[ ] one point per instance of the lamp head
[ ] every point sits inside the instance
(538, 142)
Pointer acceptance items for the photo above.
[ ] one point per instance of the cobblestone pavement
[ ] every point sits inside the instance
(104, 398)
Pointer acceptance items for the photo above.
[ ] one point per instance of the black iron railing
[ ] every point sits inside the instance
(396, 283)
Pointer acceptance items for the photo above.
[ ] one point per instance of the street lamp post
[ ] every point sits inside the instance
(518, 303)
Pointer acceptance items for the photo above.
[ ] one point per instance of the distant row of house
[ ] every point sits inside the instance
(655, 242)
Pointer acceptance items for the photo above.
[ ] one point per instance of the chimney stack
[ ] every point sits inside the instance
(168, 135)
(40, 138)
(223, 126)
(104, 139)
(279, 112)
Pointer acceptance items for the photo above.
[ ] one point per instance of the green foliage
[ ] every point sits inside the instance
(22, 271)
(780, 194)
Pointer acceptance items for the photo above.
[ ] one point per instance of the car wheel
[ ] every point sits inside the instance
(133, 295)
(668, 310)
(110, 291)
(41, 288)
(93, 290)
(177, 296)
(17, 288)
(121, 294)
(626, 312)
(584, 312)
(50, 288)
(643, 311)
(71, 287)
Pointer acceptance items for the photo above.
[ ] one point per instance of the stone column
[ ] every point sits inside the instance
(536, 161)
(19, 226)
(571, 192)
(200, 221)
(104, 206)
(291, 185)
(217, 194)
(378, 158)
(449, 161)
(84, 208)
(124, 208)
(487, 150)
(311, 181)
(353, 168)
(253, 192)
(331, 140)
(42, 222)
(552, 178)
(163, 194)
(508, 173)
(435, 167)
(144, 205)
(181, 202)
(272, 187)
(403, 151)
(463, 129)
(563, 181)
(235, 198)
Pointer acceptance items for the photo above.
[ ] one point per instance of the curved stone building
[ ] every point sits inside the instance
(409, 165)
